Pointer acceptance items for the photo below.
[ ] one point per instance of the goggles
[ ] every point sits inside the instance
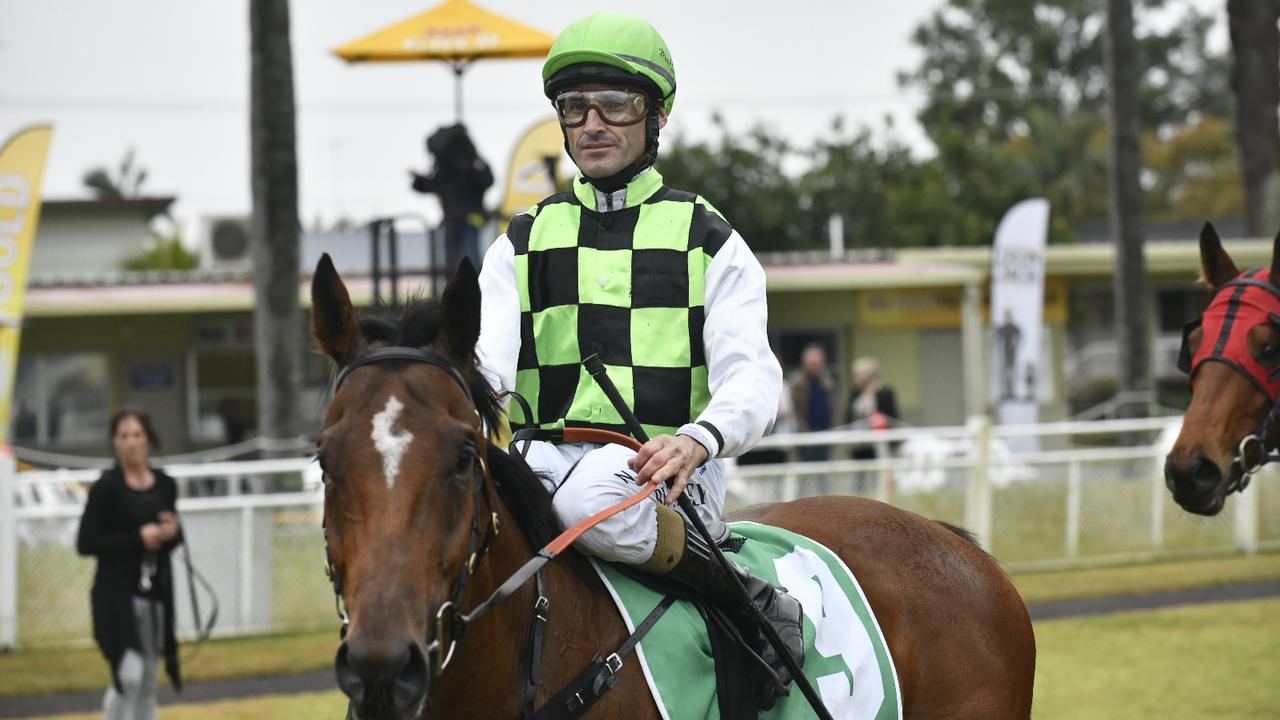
(616, 107)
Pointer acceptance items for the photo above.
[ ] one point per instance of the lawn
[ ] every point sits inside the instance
(1192, 663)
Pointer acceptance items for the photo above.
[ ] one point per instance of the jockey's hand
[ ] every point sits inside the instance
(666, 457)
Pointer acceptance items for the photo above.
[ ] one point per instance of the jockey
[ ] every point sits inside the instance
(661, 287)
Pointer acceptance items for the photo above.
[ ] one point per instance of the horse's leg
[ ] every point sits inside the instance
(958, 631)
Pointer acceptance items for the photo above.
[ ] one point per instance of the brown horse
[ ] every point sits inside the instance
(408, 501)
(1232, 355)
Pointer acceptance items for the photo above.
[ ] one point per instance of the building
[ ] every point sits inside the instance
(180, 344)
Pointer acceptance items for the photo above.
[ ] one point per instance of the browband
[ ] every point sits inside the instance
(388, 354)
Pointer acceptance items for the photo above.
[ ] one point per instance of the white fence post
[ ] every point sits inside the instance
(1073, 508)
(1157, 507)
(977, 505)
(246, 565)
(8, 554)
(1247, 511)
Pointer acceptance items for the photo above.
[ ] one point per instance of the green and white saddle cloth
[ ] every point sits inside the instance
(846, 658)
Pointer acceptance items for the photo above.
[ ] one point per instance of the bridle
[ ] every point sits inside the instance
(1224, 342)
(448, 623)
(451, 624)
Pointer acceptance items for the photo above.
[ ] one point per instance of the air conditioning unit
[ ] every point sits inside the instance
(225, 243)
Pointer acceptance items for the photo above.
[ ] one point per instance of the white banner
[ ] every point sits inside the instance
(1017, 311)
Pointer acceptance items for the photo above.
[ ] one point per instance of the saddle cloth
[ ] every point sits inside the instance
(846, 658)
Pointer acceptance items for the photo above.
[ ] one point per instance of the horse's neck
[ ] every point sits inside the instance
(490, 669)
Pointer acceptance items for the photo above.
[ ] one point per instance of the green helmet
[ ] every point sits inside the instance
(596, 47)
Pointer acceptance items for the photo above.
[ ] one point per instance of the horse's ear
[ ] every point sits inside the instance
(1275, 260)
(333, 319)
(1215, 265)
(461, 301)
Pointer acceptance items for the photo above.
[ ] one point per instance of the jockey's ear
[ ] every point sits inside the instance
(333, 319)
(461, 303)
(1216, 266)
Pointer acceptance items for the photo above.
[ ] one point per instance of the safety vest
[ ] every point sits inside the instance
(626, 284)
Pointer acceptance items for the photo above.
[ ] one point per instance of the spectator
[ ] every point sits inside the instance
(130, 525)
(812, 392)
(871, 402)
(459, 177)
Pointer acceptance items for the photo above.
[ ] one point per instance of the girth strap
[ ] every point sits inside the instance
(600, 675)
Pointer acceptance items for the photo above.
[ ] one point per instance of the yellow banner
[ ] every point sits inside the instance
(531, 177)
(936, 308)
(22, 161)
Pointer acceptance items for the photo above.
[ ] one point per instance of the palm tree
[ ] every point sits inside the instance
(1125, 199)
(127, 182)
(275, 227)
(1255, 82)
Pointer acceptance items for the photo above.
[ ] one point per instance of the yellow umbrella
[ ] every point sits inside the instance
(455, 31)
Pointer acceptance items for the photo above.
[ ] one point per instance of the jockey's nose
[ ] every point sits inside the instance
(379, 681)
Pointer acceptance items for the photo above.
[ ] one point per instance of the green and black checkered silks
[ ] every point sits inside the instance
(627, 285)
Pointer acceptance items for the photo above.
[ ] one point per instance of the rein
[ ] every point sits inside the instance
(450, 624)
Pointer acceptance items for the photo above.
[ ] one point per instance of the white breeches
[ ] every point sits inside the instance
(601, 478)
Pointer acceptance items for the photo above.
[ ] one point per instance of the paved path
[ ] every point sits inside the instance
(321, 680)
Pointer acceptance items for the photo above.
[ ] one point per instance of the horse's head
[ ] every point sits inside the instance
(401, 451)
(1232, 355)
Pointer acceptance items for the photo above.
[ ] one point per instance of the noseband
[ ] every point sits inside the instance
(1225, 340)
(448, 624)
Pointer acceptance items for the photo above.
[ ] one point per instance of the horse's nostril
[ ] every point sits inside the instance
(411, 682)
(1205, 472)
(348, 679)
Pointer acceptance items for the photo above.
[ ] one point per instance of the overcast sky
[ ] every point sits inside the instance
(170, 79)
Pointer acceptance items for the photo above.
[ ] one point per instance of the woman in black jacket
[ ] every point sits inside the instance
(130, 524)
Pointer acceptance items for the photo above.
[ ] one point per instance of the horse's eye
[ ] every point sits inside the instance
(1270, 353)
(466, 460)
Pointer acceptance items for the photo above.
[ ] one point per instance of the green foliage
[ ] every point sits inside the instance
(743, 177)
(1014, 104)
(125, 184)
(165, 251)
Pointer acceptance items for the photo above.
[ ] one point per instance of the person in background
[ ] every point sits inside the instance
(459, 177)
(871, 402)
(812, 392)
(130, 524)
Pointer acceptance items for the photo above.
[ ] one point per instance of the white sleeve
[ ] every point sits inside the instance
(498, 349)
(742, 373)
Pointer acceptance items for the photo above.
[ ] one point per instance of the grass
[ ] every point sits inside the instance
(1208, 661)
(306, 706)
(1204, 662)
(47, 671)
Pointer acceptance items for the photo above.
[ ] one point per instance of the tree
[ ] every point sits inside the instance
(275, 227)
(743, 178)
(1255, 81)
(1014, 93)
(126, 183)
(1125, 192)
(165, 251)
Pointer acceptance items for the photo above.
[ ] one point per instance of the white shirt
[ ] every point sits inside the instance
(742, 372)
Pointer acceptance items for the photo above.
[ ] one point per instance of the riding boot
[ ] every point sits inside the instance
(684, 559)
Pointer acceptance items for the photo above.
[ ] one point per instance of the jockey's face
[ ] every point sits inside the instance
(600, 149)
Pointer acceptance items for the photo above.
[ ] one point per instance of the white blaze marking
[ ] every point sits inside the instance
(391, 444)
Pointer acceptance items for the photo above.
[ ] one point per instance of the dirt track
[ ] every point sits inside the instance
(90, 701)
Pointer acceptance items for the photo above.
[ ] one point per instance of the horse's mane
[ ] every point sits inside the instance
(417, 325)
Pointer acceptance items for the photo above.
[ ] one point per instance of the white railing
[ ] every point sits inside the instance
(1048, 495)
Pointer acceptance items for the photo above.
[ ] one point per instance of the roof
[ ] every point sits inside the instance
(145, 206)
